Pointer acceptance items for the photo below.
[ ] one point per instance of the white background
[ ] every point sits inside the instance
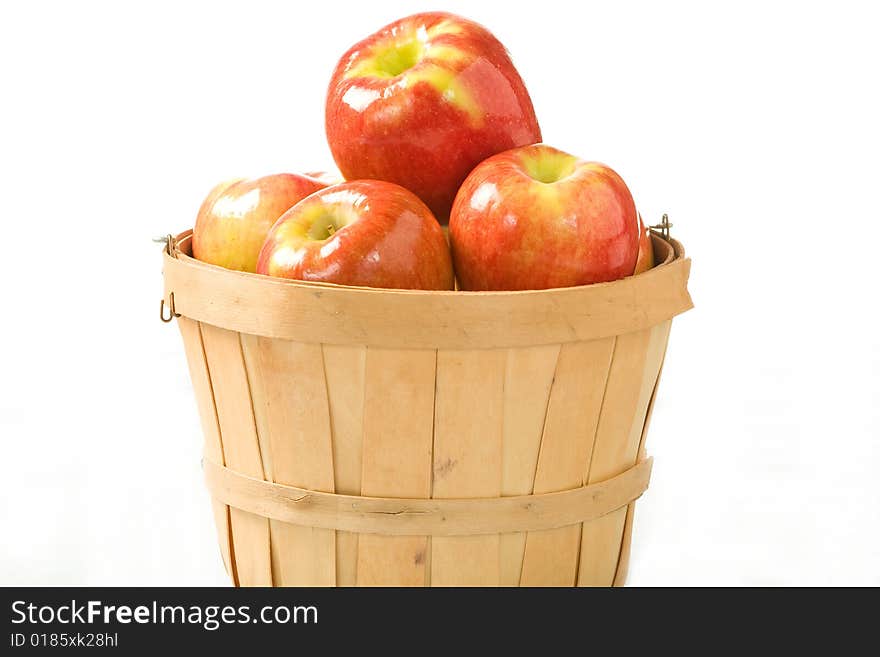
(755, 126)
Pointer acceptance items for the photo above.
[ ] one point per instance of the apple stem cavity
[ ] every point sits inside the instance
(398, 57)
(324, 227)
(549, 168)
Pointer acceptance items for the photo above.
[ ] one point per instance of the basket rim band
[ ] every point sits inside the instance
(419, 319)
(419, 517)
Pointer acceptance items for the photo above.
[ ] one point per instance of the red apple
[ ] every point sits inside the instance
(368, 233)
(536, 218)
(424, 100)
(646, 249)
(236, 216)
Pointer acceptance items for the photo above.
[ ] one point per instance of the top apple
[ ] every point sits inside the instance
(424, 100)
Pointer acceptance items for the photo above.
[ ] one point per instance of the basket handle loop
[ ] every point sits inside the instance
(171, 250)
(662, 229)
(172, 311)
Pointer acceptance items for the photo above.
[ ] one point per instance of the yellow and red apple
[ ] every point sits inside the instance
(368, 233)
(236, 216)
(424, 100)
(536, 217)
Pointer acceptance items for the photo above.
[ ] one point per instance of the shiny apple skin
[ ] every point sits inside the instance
(509, 231)
(386, 238)
(645, 260)
(236, 216)
(429, 126)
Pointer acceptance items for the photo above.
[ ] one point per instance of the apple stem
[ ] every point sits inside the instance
(331, 229)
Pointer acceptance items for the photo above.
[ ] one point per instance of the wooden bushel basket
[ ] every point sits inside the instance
(356, 436)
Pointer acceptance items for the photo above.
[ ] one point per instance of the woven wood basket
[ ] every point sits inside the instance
(356, 436)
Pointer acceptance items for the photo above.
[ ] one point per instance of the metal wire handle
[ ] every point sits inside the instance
(167, 240)
(663, 227)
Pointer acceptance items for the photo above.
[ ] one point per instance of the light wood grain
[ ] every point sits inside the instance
(204, 394)
(468, 412)
(622, 569)
(399, 516)
(527, 380)
(626, 543)
(634, 370)
(391, 437)
(290, 376)
(397, 431)
(256, 378)
(344, 368)
(416, 319)
(551, 557)
(241, 450)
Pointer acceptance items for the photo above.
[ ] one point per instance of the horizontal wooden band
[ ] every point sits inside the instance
(418, 319)
(418, 517)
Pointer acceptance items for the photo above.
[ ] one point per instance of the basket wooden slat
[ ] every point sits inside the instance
(398, 420)
(255, 380)
(623, 563)
(468, 411)
(241, 449)
(325, 401)
(528, 377)
(631, 379)
(290, 376)
(551, 557)
(204, 394)
(344, 370)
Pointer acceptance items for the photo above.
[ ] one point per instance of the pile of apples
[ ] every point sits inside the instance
(431, 126)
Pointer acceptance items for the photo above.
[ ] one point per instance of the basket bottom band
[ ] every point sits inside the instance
(418, 517)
